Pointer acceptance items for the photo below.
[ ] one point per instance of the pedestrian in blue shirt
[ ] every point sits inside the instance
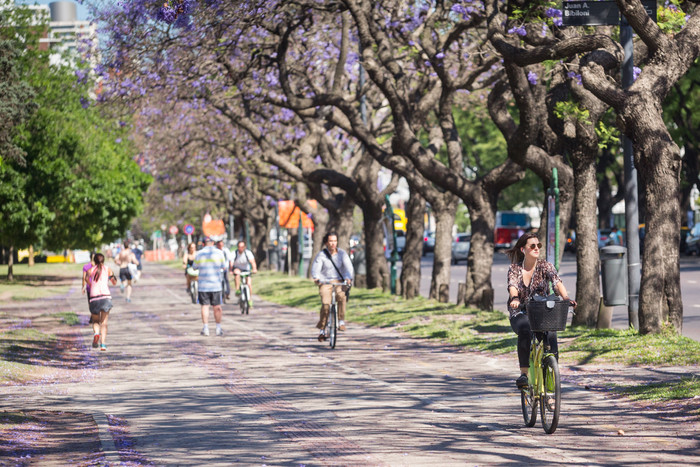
(209, 262)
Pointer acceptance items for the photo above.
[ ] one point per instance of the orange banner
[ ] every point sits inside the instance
(289, 215)
(214, 228)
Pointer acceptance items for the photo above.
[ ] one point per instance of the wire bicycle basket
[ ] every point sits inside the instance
(547, 315)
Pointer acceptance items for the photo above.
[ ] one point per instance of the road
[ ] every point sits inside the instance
(267, 393)
(690, 279)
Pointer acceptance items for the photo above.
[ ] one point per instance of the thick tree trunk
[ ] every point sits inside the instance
(479, 290)
(10, 264)
(30, 260)
(343, 222)
(410, 268)
(259, 239)
(587, 258)
(377, 271)
(660, 294)
(444, 220)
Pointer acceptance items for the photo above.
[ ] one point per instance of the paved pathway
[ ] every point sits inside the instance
(268, 393)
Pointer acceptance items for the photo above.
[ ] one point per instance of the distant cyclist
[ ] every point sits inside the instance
(331, 264)
(209, 262)
(529, 275)
(187, 262)
(243, 261)
(229, 261)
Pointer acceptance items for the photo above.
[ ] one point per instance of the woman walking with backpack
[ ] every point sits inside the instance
(99, 277)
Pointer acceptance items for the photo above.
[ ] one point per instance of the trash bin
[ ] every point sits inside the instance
(613, 264)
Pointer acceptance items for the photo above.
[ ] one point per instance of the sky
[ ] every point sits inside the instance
(82, 11)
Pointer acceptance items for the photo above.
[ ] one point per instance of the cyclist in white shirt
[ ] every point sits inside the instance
(243, 261)
(331, 264)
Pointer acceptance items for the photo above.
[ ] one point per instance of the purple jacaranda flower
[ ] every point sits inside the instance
(575, 76)
(519, 30)
(532, 77)
(635, 72)
(440, 55)
(553, 12)
(84, 103)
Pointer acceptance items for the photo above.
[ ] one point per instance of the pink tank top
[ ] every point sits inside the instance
(99, 289)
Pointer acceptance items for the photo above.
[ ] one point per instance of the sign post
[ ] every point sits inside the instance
(606, 13)
(189, 230)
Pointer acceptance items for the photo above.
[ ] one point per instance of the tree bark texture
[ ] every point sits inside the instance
(479, 290)
(444, 220)
(410, 267)
(658, 163)
(377, 270)
(587, 258)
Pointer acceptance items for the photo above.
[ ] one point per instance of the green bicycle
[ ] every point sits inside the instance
(544, 384)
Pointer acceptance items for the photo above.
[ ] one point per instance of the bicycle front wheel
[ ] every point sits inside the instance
(529, 405)
(333, 318)
(550, 403)
(194, 292)
(223, 292)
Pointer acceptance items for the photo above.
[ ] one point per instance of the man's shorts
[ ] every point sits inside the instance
(103, 304)
(240, 270)
(124, 274)
(210, 298)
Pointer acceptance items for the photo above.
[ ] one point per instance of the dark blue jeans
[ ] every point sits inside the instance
(521, 326)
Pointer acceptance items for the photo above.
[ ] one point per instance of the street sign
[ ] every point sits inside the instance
(188, 229)
(173, 230)
(603, 13)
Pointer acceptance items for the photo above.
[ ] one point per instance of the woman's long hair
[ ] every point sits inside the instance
(99, 259)
(515, 255)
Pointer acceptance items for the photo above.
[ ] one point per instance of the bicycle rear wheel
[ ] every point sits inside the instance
(529, 405)
(194, 291)
(333, 318)
(550, 403)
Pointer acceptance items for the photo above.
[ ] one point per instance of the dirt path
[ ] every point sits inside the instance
(268, 392)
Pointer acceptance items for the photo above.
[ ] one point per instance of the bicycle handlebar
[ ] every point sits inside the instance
(333, 282)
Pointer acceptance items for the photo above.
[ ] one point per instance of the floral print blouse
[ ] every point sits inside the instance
(544, 273)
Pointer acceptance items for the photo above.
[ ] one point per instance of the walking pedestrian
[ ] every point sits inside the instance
(99, 277)
(138, 252)
(123, 260)
(209, 262)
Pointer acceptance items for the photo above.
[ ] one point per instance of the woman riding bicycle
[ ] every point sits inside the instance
(187, 262)
(331, 265)
(529, 276)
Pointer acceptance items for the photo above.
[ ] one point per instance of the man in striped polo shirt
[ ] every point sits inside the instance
(209, 262)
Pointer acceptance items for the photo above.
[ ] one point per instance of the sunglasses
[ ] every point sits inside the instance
(535, 245)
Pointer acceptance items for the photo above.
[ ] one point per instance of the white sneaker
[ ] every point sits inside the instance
(205, 331)
(219, 331)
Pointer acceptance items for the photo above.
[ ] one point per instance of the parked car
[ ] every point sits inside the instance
(400, 242)
(428, 241)
(460, 247)
(570, 241)
(604, 237)
(692, 241)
